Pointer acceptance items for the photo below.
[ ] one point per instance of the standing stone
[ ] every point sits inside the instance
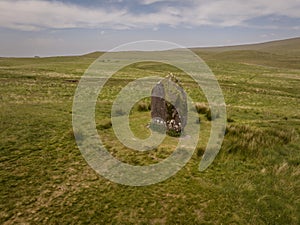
(158, 103)
(169, 105)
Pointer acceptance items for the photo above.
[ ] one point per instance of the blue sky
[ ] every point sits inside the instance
(68, 27)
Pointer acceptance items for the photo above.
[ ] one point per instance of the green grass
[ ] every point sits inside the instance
(254, 179)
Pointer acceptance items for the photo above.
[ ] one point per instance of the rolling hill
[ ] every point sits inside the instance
(280, 54)
(254, 179)
(289, 47)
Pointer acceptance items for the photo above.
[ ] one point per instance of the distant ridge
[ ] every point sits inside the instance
(289, 47)
(279, 54)
(93, 54)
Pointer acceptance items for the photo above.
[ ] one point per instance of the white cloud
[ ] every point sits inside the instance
(149, 2)
(37, 14)
(33, 15)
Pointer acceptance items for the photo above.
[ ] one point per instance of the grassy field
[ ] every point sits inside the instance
(254, 179)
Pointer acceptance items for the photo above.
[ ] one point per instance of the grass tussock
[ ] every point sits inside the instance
(212, 115)
(143, 106)
(104, 124)
(201, 108)
(251, 141)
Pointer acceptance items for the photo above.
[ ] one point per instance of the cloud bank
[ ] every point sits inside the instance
(34, 15)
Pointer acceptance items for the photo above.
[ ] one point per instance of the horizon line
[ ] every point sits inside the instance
(191, 48)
